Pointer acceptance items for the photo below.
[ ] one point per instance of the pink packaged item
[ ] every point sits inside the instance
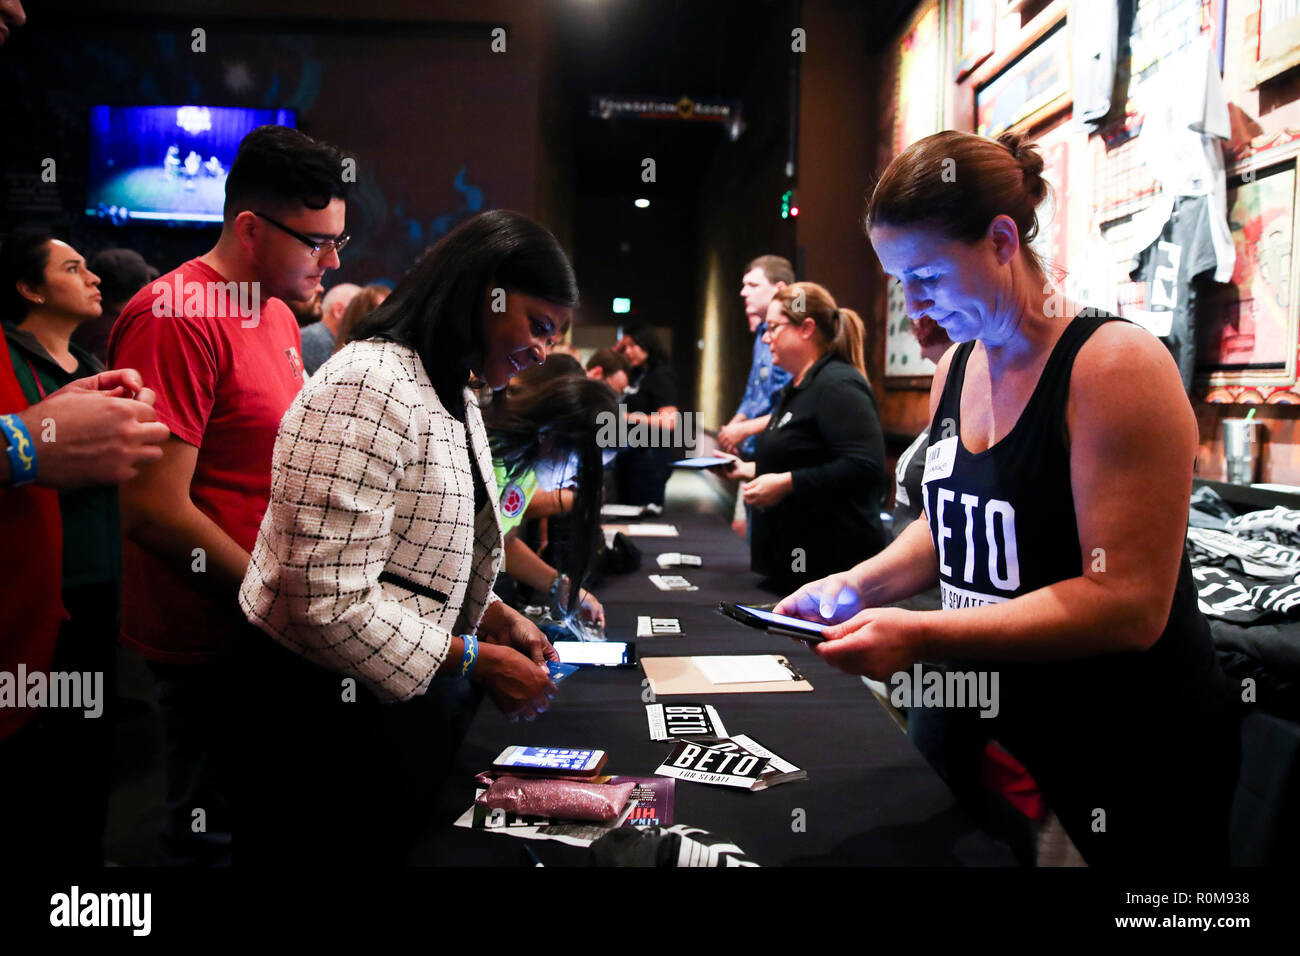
(558, 799)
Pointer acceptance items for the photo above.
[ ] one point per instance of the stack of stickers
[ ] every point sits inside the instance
(705, 754)
(671, 582)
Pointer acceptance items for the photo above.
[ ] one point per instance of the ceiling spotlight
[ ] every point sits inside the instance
(643, 204)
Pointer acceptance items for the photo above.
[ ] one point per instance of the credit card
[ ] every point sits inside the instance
(560, 671)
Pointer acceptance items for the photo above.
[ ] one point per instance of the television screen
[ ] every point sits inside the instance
(166, 163)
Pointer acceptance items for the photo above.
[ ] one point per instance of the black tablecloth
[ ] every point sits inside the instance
(870, 798)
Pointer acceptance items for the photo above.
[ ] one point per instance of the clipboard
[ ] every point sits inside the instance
(670, 676)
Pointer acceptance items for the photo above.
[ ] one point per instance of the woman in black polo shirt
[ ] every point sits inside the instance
(818, 475)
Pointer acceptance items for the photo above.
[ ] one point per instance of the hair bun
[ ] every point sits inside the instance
(1031, 162)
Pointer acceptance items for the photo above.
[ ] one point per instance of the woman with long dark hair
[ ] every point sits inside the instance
(541, 419)
(650, 400)
(374, 566)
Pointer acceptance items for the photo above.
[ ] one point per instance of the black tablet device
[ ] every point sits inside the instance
(770, 621)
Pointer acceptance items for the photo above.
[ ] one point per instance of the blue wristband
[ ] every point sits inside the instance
(469, 657)
(22, 454)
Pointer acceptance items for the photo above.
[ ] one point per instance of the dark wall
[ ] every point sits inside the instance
(739, 202)
(646, 255)
(419, 101)
(838, 112)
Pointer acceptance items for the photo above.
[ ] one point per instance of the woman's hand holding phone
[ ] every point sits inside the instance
(830, 600)
(875, 643)
(518, 686)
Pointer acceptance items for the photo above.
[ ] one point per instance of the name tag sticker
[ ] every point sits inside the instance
(939, 459)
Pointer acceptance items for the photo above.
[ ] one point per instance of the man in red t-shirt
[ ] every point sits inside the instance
(223, 353)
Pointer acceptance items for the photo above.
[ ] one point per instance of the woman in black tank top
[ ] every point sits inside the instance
(1056, 488)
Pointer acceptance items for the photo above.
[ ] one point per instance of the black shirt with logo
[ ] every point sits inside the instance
(1134, 750)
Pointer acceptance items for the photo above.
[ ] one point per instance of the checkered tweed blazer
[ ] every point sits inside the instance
(370, 556)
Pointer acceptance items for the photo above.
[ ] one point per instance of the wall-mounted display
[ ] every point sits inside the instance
(1030, 89)
(1251, 333)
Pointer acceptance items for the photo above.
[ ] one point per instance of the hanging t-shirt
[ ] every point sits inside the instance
(1169, 268)
(1185, 124)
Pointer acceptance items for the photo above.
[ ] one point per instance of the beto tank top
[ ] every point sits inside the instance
(1003, 524)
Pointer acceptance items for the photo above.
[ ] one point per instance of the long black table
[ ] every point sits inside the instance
(870, 798)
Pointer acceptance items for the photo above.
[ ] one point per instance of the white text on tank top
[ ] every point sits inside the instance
(977, 534)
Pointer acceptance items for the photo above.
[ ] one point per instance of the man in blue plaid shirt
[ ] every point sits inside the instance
(763, 278)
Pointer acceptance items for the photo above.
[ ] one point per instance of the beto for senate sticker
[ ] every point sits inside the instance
(512, 500)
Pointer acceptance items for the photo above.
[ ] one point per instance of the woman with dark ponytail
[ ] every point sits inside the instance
(818, 475)
(1055, 494)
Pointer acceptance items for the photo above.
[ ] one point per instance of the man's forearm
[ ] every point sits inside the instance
(191, 543)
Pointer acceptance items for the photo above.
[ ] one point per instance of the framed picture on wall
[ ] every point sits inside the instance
(919, 79)
(1030, 90)
(1053, 239)
(904, 365)
(1278, 38)
(1250, 334)
(974, 22)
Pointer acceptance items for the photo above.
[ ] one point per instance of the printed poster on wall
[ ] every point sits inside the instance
(1030, 89)
(1252, 329)
(902, 355)
(918, 81)
(1052, 241)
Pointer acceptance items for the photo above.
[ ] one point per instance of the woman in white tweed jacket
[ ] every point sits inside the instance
(377, 555)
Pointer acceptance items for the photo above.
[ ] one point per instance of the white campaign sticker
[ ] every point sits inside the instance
(647, 626)
(939, 459)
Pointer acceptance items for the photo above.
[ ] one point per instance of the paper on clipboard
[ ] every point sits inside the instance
(670, 676)
(743, 668)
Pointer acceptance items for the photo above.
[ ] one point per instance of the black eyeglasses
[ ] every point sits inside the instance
(316, 245)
